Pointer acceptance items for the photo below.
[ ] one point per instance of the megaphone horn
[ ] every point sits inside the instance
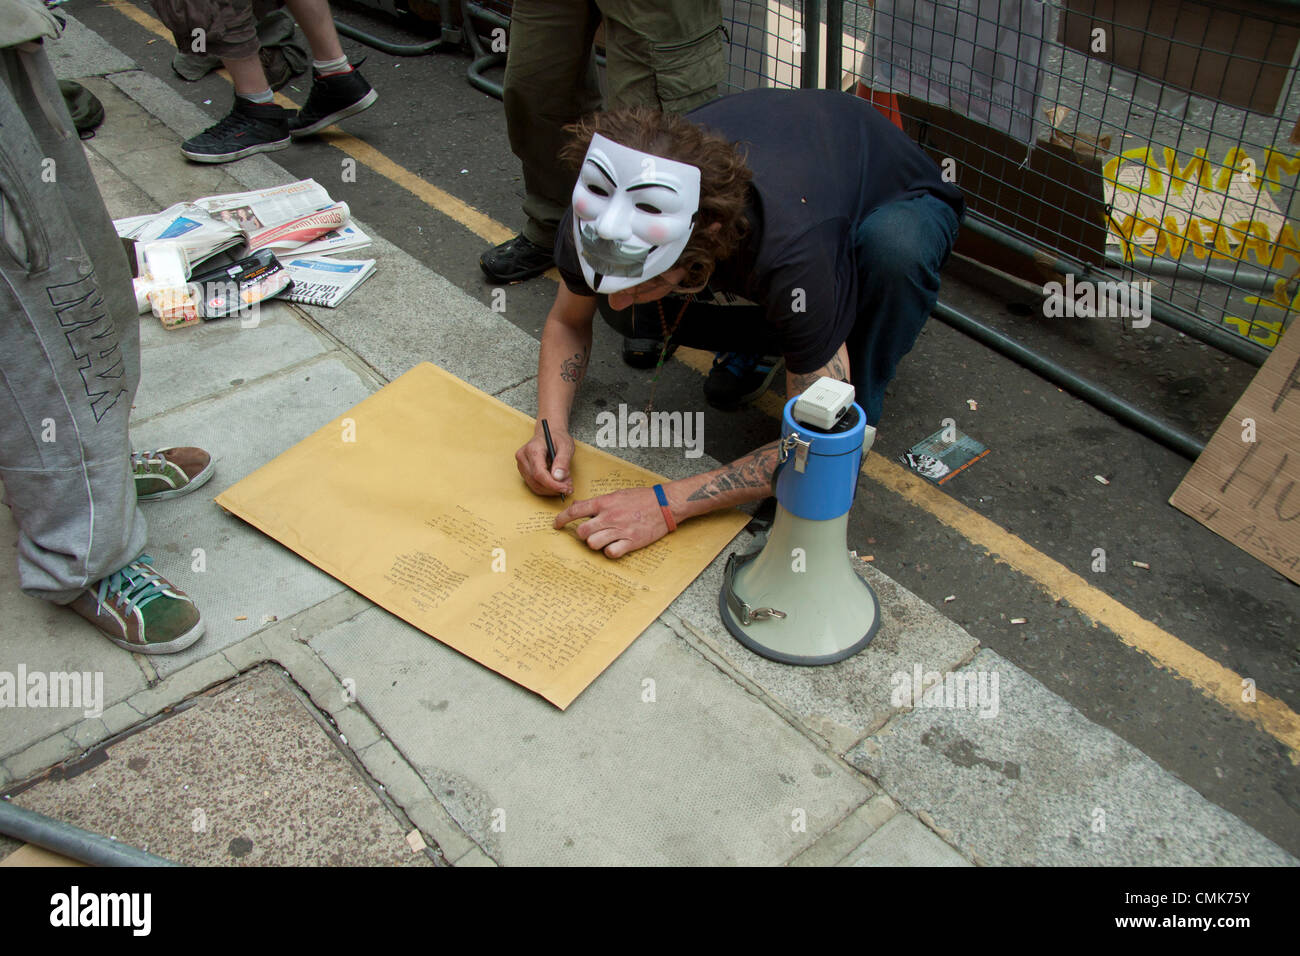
(798, 600)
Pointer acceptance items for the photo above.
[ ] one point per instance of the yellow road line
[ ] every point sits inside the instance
(1057, 581)
(1060, 583)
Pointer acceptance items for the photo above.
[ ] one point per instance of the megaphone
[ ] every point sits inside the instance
(798, 600)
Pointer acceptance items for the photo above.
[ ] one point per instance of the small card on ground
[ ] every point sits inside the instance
(943, 454)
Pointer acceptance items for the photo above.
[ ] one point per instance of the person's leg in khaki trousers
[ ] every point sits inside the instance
(666, 55)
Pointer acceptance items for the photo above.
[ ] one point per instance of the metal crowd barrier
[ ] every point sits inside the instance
(1149, 142)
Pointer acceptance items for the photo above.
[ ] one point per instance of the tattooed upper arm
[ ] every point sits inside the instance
(573, 368)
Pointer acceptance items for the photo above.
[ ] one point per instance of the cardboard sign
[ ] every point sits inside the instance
(1244, 485)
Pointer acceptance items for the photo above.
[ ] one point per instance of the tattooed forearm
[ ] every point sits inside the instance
(838, 368)
(573, 368)
(800, 383)
(752, 471)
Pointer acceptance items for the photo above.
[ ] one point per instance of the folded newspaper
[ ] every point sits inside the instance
(295, 219)
(320, 280)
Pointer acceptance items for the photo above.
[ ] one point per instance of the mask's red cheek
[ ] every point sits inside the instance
(658, 234)
(582, 208)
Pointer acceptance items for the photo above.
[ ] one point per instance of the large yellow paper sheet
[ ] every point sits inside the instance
(413, 500)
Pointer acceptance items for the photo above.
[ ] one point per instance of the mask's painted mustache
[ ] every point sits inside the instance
(612, 258)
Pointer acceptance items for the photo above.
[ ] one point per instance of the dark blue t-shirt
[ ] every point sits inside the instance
(822, 162)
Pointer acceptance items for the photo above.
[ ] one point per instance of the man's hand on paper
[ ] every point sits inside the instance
(531, 462)
(618, 523)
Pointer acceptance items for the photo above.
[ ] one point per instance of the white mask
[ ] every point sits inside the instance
(633, 214)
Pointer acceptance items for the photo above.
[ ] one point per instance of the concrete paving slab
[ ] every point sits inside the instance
(843, 702)
(169, 109)
(152, 162)
(406, 313)
(245, 574)
(233, 352)
(43, 638)
(1041, 785)
(243, 777)
(146, 150)
(839, 842)
(122, 197)
(905, 841)
(80, 52)
(703, 774)
(136, 141)
(37, 757)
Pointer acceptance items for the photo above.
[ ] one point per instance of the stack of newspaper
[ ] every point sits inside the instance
(298, 222)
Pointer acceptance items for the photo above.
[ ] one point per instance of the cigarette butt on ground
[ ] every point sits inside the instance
(950, 597)
(1103, 479)
(1019, 620)
(868, 557)
(241, 617)
(1142, 564)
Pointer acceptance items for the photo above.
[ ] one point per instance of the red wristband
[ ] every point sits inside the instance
(663, 506)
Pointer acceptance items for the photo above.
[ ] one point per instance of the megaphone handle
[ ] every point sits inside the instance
(742, 611)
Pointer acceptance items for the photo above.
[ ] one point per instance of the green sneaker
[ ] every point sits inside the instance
(139, 610)
(169, 472)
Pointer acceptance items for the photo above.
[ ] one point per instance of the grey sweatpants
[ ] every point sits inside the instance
(69, 346)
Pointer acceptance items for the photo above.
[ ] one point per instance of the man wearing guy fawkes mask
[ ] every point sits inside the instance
(808, 206)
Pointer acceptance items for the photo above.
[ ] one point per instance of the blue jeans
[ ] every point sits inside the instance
(899, 250)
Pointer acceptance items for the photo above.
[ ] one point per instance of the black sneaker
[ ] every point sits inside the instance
(249, 128)
(515, 260)
(737, 379)
(331, 99)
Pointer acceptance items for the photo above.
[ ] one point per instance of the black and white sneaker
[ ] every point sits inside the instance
(249, 128)
(331, 99)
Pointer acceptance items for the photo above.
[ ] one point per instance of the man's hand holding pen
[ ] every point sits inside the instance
(532, 461)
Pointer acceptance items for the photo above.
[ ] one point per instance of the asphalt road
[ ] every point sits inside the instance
(1038, 483)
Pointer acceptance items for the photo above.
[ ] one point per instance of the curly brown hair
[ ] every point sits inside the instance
(724, 176)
